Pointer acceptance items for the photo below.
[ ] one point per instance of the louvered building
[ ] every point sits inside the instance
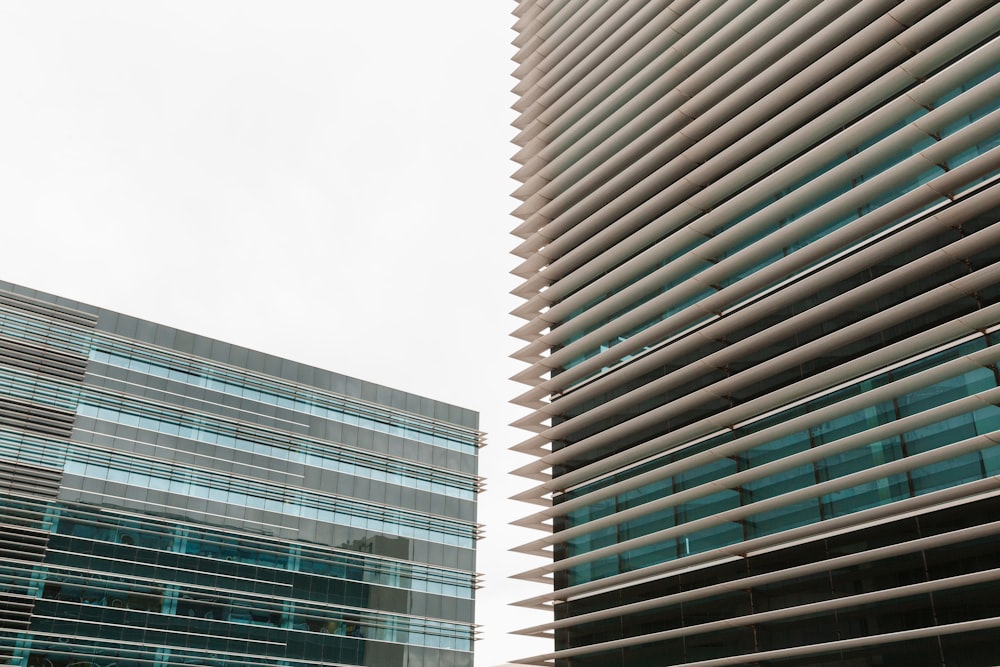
(759, 246)
(167, 499)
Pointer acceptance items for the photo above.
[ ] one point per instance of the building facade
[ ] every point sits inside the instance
(759, 247)
(168, 499)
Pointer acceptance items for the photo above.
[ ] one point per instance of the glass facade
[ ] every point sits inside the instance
(760, 249)
(168, 499)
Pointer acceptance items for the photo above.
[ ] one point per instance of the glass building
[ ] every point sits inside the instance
(760, 251)
(167, 499)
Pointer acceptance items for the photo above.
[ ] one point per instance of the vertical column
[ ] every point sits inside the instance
(44, 350)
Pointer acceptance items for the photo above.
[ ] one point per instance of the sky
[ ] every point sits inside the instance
(324, 181)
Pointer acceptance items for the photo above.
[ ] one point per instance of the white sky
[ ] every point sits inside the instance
(325, 181)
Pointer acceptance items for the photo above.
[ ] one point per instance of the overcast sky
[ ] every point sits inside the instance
(325, 181)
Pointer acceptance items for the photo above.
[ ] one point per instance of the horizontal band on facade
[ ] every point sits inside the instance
(915, 506)
(788, 574)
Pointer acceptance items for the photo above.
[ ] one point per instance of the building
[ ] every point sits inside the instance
(759, 247)
(167, 499)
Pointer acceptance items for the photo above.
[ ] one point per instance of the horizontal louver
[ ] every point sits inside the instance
(758, 244)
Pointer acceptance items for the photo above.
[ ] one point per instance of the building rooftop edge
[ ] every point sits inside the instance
(112, 321)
